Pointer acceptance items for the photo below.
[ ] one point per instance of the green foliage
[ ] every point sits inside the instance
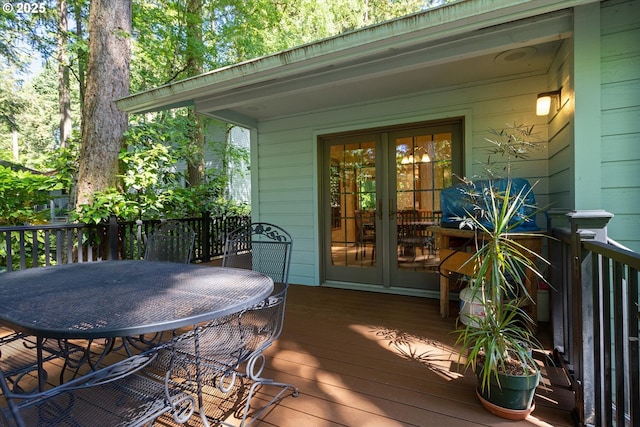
(500, 340)
(502, 335)
(104, 205)
(513, 142)
(21, 193)
(152, 184)
(167, 41)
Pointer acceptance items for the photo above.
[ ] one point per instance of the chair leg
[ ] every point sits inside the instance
(255, 366)
(249, 420)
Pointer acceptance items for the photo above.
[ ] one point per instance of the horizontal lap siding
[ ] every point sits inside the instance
(620, 94)
(285, 178)
(287, 159)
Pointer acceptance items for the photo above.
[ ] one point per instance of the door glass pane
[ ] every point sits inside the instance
(423, 169)
(353, 204)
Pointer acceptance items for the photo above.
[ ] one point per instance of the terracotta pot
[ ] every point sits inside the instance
(509, 414)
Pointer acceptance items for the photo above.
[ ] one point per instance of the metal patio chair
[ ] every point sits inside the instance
(411, 235)
(170, 241)
(366, 232)
(236, 347)
(132, 392)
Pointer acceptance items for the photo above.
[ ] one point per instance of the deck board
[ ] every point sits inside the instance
(382, 360)
(366, 359)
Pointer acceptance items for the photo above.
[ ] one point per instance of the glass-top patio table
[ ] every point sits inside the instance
(123, 298)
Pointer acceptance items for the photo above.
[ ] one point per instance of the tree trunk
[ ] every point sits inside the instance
(81, 58)
(64, 97)
(107, 81)
(194, 60)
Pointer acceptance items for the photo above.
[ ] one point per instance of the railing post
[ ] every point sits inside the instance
(585, 225)
(113, 238)
(557, 220)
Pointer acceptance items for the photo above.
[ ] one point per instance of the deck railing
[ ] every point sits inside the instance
(595, 320)
(42, 245)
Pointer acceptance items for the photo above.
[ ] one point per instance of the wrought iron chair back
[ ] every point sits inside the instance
(265, 248)
(260, 247)
(171, 241)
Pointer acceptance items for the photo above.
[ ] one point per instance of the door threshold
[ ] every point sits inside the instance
(395, 290)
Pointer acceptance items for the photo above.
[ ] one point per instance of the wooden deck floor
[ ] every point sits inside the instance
(364, 359)
(369, 359)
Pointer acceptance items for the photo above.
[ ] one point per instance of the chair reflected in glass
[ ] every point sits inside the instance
(365, 233)
(413, 235)
(170, 241)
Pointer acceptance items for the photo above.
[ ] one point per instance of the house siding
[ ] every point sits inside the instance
(239, 185)
(618, 155)
(560, 132)
(287, 179)
(620, 104)
(287, 176)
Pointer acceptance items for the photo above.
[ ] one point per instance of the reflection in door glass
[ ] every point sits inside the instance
(353, 205)
(423, 169)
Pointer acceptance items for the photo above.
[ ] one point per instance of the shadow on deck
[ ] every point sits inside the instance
(372, 359)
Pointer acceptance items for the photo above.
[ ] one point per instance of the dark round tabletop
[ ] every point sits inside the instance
(123, 298)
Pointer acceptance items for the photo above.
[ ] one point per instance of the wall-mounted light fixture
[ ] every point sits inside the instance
(543, 105)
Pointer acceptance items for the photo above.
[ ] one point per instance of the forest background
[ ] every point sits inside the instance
(64, 62)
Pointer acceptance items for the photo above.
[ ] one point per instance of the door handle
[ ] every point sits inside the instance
(380, 209)
(392, 211)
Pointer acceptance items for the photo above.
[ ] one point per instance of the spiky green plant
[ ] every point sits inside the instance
(502, 336)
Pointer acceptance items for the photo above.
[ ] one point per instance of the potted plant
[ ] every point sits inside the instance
(500, 341)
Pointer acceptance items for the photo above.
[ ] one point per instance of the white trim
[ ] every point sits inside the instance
(424, 293)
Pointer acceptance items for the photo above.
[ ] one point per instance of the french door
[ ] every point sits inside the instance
(381, 193)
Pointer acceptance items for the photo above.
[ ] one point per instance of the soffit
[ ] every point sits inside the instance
(405, 56)
(515, 49)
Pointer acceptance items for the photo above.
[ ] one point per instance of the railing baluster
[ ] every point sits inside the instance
(80, 244)
(7, 239)
(59, 246)
(634, 353)
(598, 333)
(618, 342)
(23, 263)
(34, 248)
(606, 344)
(89, 235)
(47, 247)
(70, 246)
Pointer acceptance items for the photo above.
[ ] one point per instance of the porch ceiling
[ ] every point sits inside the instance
(407, 56)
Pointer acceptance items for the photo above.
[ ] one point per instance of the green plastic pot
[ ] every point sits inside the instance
(514, 392)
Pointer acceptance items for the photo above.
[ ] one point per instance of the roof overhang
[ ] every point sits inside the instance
(452, 45)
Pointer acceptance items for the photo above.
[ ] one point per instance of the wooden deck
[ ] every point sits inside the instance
(366, 359)
(369, 359)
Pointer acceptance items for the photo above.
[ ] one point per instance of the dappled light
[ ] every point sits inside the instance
(364, 358)
(432, 354)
